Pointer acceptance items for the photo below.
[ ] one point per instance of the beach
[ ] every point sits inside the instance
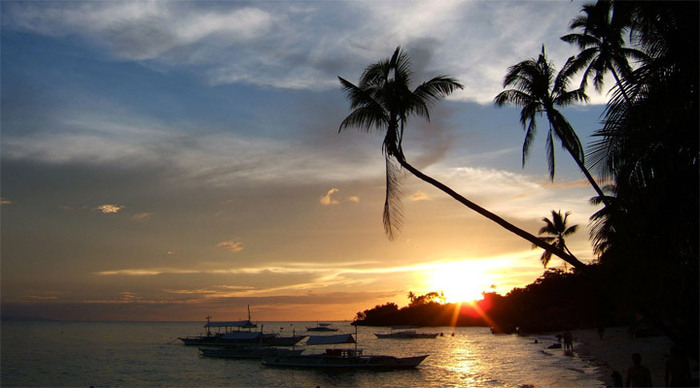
(613, 352)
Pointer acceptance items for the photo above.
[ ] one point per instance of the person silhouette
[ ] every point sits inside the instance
(677, 369)
(638, 375)
(568, 341)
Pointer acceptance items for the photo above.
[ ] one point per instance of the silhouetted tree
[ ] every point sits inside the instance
(384, 101)
(602, 43)
(556, 229)
(539, 89)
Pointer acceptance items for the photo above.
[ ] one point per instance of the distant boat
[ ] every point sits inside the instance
(405, 334)
(247, 351)
(321, 327)
(342, 358)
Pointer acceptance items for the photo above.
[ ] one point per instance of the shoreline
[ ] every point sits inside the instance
(614, 353)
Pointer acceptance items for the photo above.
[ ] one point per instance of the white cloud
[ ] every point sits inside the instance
(109, 208)
(268, 44)
(233, 246)
(327, 199)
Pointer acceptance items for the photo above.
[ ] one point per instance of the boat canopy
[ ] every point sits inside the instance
(330, 339)
(243, 324)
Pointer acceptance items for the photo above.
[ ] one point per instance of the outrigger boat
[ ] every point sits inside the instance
(342, 358)
(230, 333)
(405, 334)
(321, 327)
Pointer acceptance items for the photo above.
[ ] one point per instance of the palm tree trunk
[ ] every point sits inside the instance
(493, 217)
(591, 180)
(619, 85)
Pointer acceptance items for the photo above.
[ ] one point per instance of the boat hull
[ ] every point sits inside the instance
(323, 361)
(266, 340)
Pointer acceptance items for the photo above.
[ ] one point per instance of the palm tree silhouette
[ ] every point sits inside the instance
(556, 229)
(601, 42)
(383, 101)
(538, 89)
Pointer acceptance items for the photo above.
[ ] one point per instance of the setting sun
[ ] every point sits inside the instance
(461, 281)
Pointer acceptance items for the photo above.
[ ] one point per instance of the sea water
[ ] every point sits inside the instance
(49, 354)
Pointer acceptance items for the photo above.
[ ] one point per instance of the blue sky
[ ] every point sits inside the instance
(164, 160)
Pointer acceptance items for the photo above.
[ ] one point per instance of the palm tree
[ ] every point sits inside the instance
(383, 101)
(601, 42)
(556, 229)
(538, 89)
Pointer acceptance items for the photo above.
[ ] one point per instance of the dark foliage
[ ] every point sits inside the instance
(556, 301)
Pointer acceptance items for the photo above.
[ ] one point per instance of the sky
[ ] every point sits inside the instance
(171, 160)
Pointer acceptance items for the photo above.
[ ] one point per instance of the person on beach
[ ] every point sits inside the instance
(568, 341)
(677, 369)
(638, 375)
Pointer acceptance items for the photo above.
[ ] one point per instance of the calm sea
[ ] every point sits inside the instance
(83, 354)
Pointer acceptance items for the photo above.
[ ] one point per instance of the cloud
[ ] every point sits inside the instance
(233, 246)
(354, 198)
(142, 216)
(110, 208)
(5, 201)
(327, 200)
(267, 43)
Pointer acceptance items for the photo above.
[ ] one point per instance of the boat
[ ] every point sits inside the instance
(343, 359)
(248, 351)
(321, 327)
(230, 333)
(405, 334)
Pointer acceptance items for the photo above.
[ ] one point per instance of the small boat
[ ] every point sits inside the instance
(405, 334)
(244, 351)
(343, 359)
(321, 327)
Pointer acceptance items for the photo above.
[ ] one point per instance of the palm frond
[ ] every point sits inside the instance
(393, 209)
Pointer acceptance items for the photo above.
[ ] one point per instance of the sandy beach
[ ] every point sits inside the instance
(613, 352)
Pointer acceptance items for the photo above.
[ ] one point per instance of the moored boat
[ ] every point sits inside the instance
(335, 358)
(227, 333)
(321, 327)
(344, 359)
(405, 334)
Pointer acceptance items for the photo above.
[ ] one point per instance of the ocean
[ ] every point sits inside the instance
(130, 354)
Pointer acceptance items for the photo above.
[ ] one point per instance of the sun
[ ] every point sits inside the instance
(461, 281)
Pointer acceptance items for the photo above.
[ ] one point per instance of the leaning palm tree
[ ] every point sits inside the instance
(538, 89)
(602, 44)
(383, 101)
(555, 231)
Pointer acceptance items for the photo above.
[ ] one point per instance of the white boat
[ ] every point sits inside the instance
(405, 334)
(342, 358)
(321, 327)
(248, 351)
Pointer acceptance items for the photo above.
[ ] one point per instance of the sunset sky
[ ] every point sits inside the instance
(168, 160)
